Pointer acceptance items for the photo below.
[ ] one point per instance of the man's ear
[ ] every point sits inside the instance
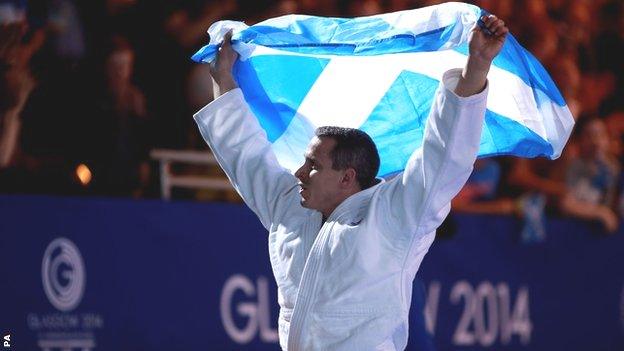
(349, 178)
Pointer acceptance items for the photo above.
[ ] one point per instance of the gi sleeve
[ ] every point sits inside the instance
(241, 147)
(416, 201)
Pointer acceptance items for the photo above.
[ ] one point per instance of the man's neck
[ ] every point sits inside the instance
(327, 212)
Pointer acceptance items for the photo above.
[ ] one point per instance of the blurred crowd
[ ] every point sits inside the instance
(89, 88)
(581, 43)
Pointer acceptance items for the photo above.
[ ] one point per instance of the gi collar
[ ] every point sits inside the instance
(351, 211)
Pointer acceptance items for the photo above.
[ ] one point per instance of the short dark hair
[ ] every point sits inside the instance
(354, 149)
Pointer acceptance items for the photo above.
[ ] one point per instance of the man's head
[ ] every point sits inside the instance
(339, 163)
(594, 137)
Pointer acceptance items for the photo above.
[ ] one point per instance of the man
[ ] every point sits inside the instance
(345, 248)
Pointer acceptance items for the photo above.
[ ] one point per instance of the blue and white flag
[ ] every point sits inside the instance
(379, 74)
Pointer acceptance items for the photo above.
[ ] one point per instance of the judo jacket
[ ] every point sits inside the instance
(346, 283)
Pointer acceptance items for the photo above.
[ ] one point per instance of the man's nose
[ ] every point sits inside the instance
(299, 174)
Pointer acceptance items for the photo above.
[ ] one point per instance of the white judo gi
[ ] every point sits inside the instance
(346, 284)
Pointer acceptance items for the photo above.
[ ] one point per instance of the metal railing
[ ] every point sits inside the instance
(169, 180)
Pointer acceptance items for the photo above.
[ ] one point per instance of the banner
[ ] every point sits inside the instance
(379, 74)
(102, 274)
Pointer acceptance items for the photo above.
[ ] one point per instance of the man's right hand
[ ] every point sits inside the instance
(221, 67)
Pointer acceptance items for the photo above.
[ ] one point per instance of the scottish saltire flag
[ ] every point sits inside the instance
(379, 74)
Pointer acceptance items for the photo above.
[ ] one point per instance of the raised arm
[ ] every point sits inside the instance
(241, 147)
(221, 68)
(417, 201)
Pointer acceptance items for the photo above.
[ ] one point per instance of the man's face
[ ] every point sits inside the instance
(595, 139)
(320, 184)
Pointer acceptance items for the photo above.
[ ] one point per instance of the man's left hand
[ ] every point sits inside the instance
(484, 46)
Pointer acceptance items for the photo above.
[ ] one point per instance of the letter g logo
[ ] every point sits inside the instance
(63, 274)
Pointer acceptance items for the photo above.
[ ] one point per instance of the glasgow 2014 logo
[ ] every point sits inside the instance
(64, 279)
(63, 274)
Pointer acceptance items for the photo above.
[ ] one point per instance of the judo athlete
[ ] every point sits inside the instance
(345, 246)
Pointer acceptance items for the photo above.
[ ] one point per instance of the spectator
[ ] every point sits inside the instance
(66, 24)
(122, 117)
(608, 52)
(566, 74)
(362, 8)
(400, 5)
(479, 195)
(539, 188)
(591, 177)
(16, 84)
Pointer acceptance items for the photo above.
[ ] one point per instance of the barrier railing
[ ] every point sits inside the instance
(168, 179)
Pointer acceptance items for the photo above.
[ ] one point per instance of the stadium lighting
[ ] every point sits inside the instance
(84, 174)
